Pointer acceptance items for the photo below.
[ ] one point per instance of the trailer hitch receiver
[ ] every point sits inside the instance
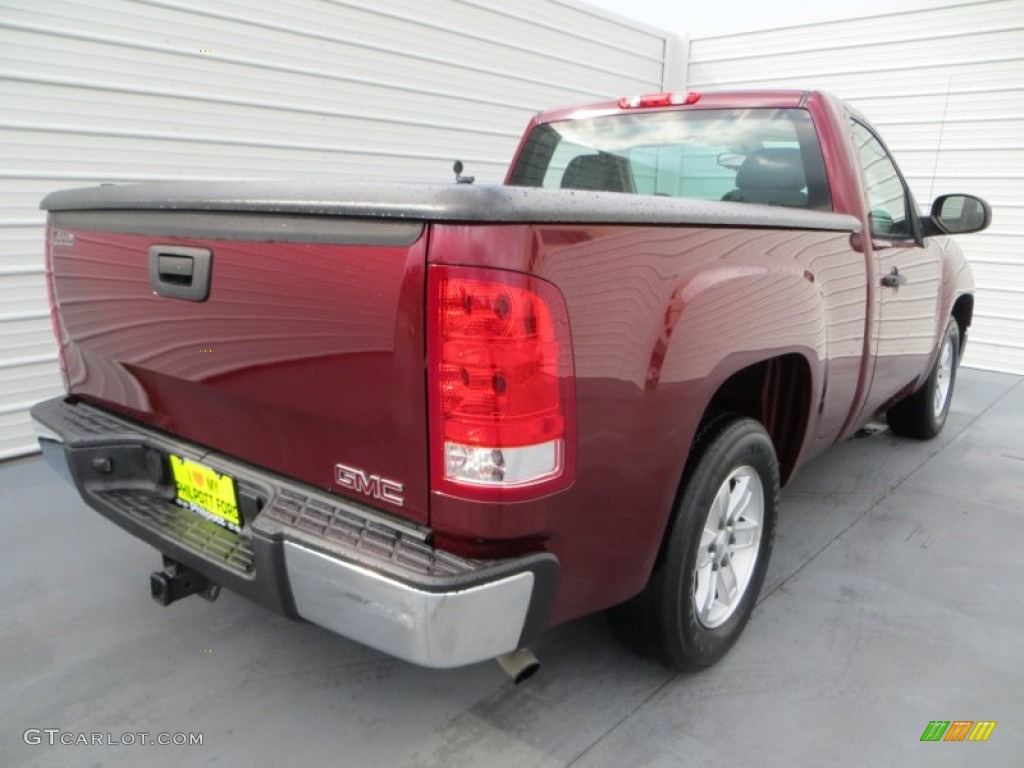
(176, 581)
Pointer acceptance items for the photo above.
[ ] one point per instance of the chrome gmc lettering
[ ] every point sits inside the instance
(378, 487)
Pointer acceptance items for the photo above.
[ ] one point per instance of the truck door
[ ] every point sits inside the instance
(907, 277)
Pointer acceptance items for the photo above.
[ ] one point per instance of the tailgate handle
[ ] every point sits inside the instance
(178, 272)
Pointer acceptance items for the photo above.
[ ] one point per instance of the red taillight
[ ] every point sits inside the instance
(659, 100)
(500, 383)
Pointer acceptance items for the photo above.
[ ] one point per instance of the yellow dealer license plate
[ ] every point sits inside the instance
(206, 492)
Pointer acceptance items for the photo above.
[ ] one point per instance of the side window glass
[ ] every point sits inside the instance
(887, 197)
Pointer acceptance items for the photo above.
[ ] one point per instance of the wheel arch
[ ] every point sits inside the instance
(963, 313)
(777, 392)
(957, 298)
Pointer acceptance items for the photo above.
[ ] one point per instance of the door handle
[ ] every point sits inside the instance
(178, 272)
(894, 279)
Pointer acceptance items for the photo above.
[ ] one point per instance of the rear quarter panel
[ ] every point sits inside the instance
(660, 317)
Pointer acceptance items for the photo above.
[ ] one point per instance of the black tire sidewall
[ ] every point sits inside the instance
(686, 642)
(915, 416)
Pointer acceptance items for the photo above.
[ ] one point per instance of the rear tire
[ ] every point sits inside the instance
(922, 415)
(716, 552)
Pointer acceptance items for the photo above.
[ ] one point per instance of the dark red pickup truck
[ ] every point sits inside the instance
(440, 419)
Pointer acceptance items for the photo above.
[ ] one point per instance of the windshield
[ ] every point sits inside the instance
(767, 156)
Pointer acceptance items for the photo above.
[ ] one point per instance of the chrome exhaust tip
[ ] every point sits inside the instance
(519, 665)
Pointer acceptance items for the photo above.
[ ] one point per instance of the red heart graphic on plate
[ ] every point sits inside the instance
(198, 479)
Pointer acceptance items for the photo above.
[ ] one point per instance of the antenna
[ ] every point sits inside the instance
(938, 149)
(459, 178)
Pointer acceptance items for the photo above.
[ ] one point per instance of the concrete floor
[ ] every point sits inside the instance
(894, 598)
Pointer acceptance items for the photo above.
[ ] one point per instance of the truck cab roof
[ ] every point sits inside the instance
(781, 99)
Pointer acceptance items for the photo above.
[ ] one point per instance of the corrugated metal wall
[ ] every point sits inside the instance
(136, 90)
(945, 87)
(120, 90)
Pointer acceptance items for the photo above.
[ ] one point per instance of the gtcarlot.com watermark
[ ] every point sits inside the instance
(55, 736)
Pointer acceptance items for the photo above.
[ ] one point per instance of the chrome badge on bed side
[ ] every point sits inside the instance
(375, 486)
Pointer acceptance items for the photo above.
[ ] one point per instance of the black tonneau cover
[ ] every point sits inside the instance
(449, 202)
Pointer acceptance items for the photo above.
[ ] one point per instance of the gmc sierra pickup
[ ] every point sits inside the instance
(438, 419)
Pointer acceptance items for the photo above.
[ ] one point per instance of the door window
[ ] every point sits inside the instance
(887, 195)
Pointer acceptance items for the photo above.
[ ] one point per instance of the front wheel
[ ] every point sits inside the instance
(713, 563)
(923, 414)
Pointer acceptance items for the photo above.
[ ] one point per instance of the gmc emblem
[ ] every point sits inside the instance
(355, 479)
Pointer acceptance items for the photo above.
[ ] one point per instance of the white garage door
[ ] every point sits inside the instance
(112, 90)
(945, 87)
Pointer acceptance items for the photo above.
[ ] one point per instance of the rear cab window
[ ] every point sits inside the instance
(760, 155)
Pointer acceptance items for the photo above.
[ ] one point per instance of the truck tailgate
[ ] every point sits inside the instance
(306, 354)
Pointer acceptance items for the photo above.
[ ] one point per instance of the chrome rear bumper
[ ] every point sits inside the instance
(302, 552)
(433, 629)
